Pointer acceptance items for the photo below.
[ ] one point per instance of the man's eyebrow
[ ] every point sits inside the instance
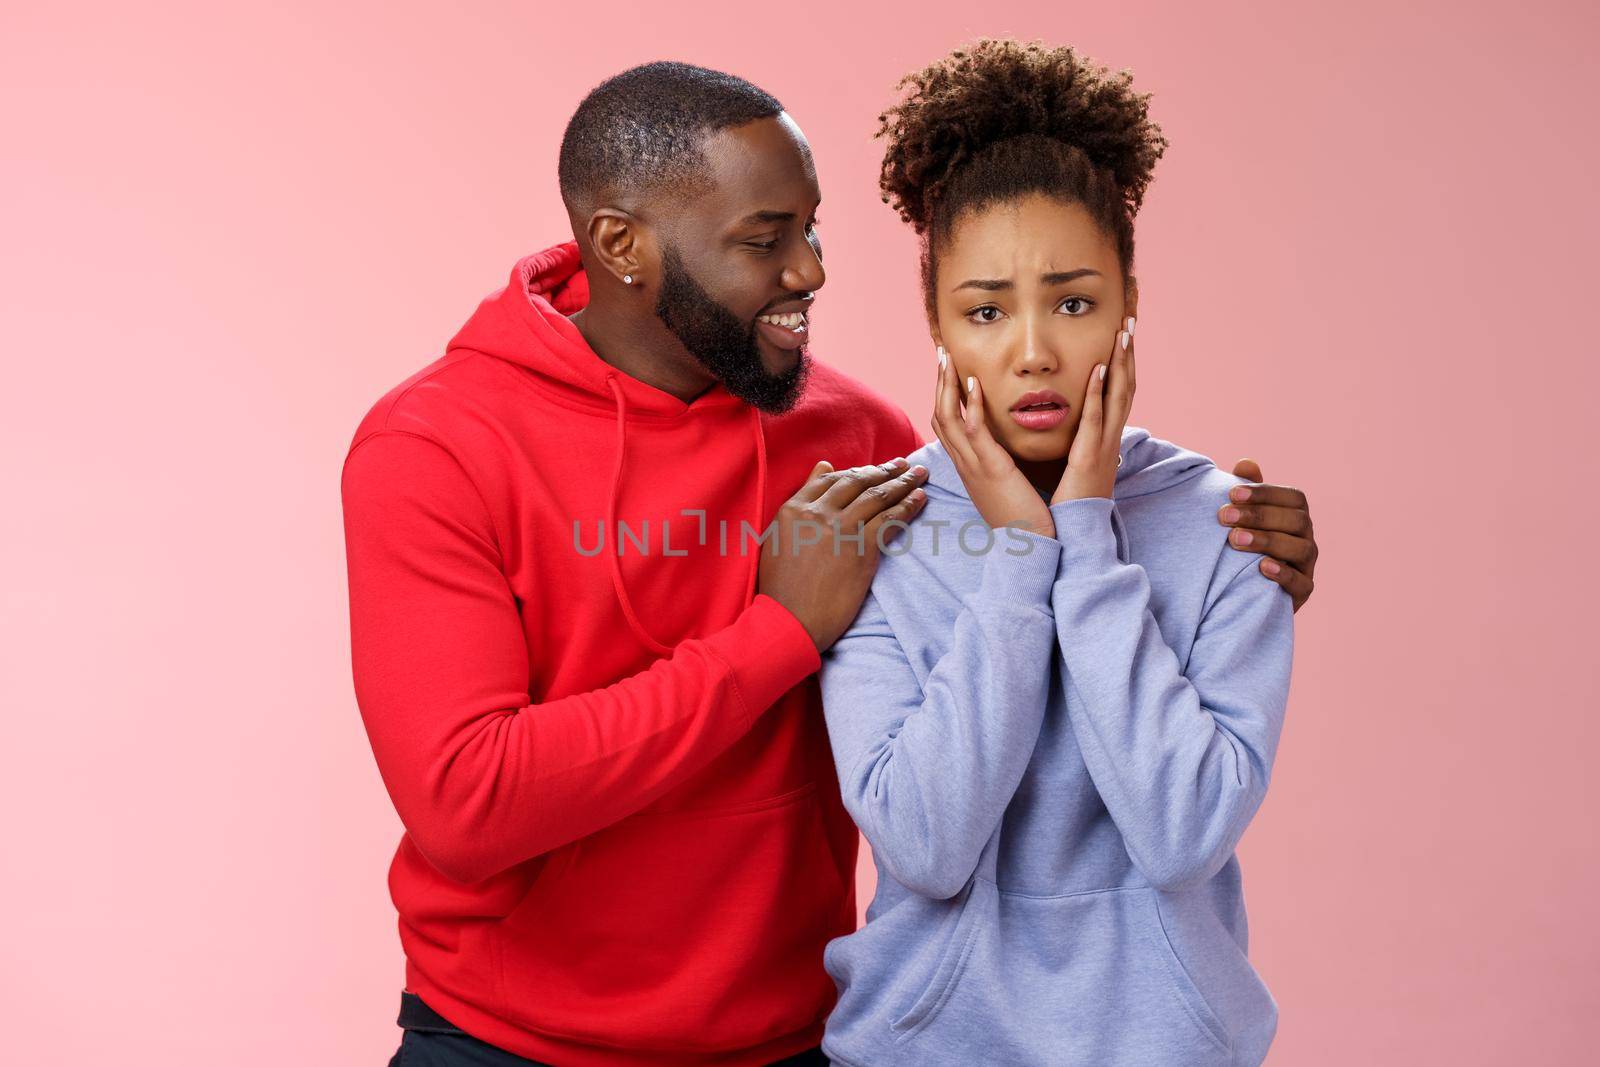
(758, 218)
(995, 285)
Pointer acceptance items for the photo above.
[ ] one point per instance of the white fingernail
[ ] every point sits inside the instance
(1130, 325)
(970, 380)
(1102, 372)
(1122, 339)
(942, 355)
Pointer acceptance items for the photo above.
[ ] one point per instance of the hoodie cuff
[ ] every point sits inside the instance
(768, 652)
(1020, 568)
(1084, 528)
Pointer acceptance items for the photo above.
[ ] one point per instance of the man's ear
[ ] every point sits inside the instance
(1130, 298)
(622, 244)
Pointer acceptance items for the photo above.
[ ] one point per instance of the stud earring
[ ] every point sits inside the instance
(627, 279)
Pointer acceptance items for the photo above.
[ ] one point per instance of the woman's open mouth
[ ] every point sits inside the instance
(787, 330)
(1043, 409)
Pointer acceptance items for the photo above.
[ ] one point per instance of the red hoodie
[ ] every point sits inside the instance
(623, 835)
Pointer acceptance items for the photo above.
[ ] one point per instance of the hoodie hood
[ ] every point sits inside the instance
(526, 324)
(1149, 465)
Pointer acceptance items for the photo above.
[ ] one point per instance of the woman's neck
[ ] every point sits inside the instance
(1044, 474)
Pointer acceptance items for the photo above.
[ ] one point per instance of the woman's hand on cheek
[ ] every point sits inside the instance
(1097, 448)
(1002, 493)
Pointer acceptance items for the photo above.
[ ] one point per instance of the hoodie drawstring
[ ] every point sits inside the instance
(611, 517)
(761, 504)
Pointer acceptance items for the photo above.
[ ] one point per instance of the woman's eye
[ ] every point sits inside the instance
(1076, 305)
(987, 313)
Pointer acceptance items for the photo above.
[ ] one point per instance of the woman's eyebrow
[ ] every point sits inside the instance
(993, 285)
(1067, 276)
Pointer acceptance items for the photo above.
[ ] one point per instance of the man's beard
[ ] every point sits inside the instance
(716, 337)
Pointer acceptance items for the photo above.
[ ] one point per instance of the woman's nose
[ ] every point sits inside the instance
(1037, 356)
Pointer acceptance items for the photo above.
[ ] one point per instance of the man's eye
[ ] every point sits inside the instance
(1077, 305)
(765, 246)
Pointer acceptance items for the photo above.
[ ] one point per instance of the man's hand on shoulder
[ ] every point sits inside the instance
(1274, 520)
(827, 542)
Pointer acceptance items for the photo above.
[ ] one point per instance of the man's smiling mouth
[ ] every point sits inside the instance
(786, 330)
(794, 320)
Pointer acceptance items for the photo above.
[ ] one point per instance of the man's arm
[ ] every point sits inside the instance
(482, 779)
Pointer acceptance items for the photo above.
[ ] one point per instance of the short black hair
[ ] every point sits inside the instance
(643, 128)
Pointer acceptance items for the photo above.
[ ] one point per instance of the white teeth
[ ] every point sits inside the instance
(794, 320)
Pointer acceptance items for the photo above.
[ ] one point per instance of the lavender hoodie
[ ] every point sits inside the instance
(1053, 747)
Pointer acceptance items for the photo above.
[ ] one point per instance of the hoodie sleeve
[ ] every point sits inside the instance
(481, 778)
(1180, 753)
(927, 771)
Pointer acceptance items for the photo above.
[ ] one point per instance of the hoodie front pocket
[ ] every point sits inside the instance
(1077, 980)
(977, 898)
(1182, 985)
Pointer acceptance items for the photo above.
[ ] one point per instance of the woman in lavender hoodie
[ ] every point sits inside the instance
(1058, 709)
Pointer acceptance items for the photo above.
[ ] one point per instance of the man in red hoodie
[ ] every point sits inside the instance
(592, 566)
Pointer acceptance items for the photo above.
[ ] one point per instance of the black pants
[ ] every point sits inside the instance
(430, 1040)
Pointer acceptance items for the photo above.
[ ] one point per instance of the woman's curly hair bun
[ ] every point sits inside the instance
(996, 90)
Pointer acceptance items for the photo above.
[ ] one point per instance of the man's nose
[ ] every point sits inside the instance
(805, 271)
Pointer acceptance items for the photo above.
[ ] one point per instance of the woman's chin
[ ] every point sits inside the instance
(1038, 447)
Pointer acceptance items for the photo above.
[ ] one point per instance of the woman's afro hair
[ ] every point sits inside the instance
(974, 99)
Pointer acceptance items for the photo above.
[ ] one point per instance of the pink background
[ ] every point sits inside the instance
(1366, 261)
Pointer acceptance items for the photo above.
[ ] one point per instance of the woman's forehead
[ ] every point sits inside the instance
(1033, 235)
